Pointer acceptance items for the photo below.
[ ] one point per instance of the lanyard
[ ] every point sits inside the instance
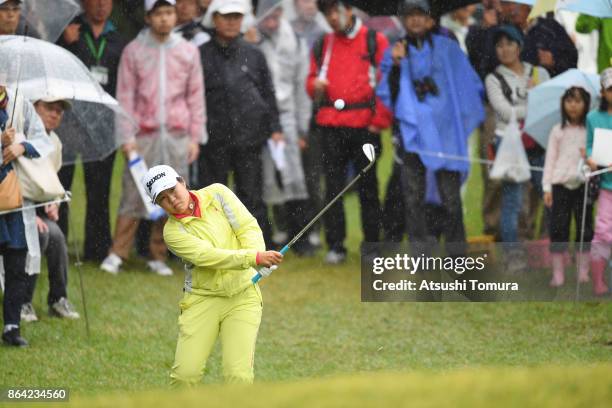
(97, 53)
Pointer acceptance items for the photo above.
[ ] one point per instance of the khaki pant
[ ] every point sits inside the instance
(203, 319)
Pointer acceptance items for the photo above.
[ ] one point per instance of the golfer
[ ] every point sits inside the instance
(221, 244)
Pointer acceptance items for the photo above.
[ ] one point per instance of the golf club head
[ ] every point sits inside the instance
(369, 151)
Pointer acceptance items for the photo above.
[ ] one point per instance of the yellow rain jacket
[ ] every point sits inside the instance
(220, 247)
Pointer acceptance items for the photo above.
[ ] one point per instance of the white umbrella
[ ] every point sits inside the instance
(42, 70)
(49, 18)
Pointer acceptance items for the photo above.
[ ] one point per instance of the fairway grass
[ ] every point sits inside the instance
(318, 344)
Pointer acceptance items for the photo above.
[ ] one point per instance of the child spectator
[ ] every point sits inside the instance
(563, 184)
(602, 240)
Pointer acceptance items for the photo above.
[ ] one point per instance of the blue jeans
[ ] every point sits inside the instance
(512, 200)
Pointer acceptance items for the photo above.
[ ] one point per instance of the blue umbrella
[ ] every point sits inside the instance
(544, 102)
(595, 8)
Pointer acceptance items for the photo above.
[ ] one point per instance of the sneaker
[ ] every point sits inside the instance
(28, 314)
(111, 263)
(13, 338)
(160, 268)
(334, 257)
(63, 308)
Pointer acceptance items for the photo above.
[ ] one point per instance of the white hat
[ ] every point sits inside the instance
(224, 7)
(149, 4)
(51, 99)
(606, 78)
(158, 179)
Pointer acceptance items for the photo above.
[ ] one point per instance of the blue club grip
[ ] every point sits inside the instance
(258, 276)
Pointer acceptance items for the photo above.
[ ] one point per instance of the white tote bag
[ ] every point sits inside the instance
(38, 178)
(511, 162)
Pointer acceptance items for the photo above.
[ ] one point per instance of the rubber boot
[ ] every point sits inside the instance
(558, 269)
(598, 267)
(584, 261)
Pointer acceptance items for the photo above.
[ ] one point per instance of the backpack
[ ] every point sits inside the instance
(528, 141)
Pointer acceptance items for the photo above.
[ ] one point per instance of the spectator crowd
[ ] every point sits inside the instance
(278, 98)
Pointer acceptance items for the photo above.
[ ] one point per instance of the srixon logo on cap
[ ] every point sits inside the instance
(154, 179)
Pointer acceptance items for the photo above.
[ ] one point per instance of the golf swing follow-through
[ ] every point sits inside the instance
(370, 153)
(222, 244)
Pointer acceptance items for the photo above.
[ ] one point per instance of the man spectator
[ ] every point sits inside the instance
(287, 59)
(343, 73)
(187, 23)
(94, 39)
(305, 24)
(52, 240)
(10, 13)
(160, 84)
(242, 111)
(459, 23)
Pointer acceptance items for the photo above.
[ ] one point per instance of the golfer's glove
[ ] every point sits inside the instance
(265, 272)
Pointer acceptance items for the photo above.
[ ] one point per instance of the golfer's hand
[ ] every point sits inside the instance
(12, 152)
(548, 199)
(41, 226)
(72, 33)
(269, 258)
(193, 152)
(8, 136)
(398, 52)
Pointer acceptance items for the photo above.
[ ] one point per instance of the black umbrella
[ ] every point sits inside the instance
(390, 7)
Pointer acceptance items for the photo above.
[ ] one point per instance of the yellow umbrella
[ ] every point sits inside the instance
(542, 7)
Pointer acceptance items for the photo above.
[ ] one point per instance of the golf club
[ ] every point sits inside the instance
(370, 153)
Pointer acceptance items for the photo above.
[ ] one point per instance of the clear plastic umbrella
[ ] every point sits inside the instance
(543, 102)
(49, 18)
(595, 8)
(40, 70)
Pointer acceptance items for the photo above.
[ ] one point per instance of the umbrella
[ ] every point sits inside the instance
(595, 8)
(541, 7)
(390, 7)
(43, 70)
(49, 18)
(544, 102)
(265, 7)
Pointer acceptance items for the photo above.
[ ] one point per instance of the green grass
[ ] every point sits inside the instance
(314, 326)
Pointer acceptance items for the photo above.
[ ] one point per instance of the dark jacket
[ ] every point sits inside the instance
(548, 34)
(240, 99)
(481, 49)
(111, 55)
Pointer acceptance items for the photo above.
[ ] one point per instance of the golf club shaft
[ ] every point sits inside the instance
(286, 248)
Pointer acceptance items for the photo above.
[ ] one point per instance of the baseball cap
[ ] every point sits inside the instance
(51, 99)
(408, 6)
(224, 7)
(510, 32)
(150, 4)
(606, 78)
(158, 179)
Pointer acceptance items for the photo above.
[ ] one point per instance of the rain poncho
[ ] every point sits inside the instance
(439, 124)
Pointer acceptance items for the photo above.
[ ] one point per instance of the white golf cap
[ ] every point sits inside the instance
(606, 78)
(51, 99)
(224, 7)
(150, 4)
(158, 179)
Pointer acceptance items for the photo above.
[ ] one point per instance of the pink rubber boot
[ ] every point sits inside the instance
(558, 269)
(598, 267)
